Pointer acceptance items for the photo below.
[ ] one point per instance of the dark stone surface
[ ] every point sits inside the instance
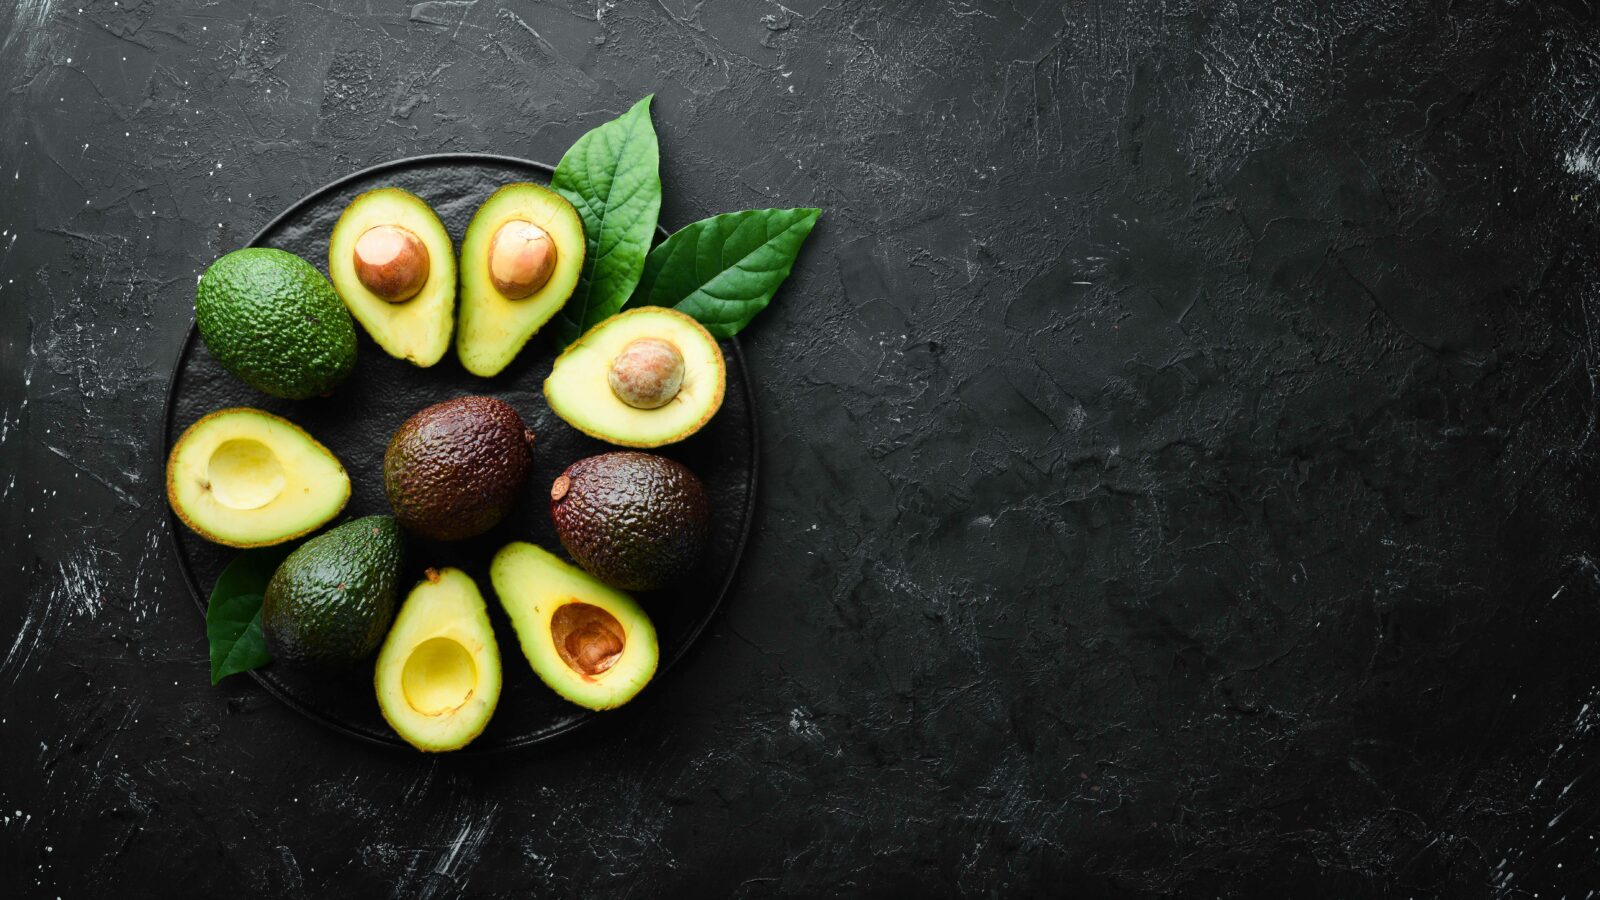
(1178, 450)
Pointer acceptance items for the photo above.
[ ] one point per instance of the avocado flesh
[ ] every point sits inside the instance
(332, 600)
(438, 674)
(274, 322)
(417, 329)
(454, 470)
(246, 478)
(634, 520)
(493, 327)
(579, 388)
(590, 643)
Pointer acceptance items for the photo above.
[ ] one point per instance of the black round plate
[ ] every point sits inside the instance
(356, 422)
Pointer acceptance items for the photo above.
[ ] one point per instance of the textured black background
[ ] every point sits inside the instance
(1179, 446)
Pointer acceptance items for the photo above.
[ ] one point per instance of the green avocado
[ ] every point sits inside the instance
(274, 321)
(331, 601)
(454, 470)
(634, 520)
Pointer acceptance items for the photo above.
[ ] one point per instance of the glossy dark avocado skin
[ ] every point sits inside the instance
(454, 470)
(634, 520)
(332, 600)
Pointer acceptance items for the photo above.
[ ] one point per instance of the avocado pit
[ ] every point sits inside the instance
(522, 257)
(391, 262)
(647, 374)
(588, 639)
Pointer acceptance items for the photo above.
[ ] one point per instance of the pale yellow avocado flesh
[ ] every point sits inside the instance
(579, 391)
(590, 642)
(247, 478)
(417, 329)
(438, 674)
(494, 328)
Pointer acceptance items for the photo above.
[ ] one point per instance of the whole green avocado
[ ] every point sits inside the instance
(332, 600)
(270, 318)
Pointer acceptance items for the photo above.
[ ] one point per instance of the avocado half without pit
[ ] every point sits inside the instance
(438, 674)
(393, 265)
(643, 378)
(589, 642)
(520, 260)
(247, 478)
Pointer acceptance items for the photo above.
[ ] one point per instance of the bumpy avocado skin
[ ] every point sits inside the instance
(455, 469)
(634, 520)
(270, 318)
(332, 600)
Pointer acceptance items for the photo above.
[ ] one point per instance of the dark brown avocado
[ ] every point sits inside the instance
(454, 470)
(634, 520)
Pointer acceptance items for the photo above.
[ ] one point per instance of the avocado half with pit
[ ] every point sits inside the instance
(246, 478)
(643, 378)
(591, 643)
(392, 262)
(438, 674)
(520, 261)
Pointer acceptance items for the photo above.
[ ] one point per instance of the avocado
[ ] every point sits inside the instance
(454, 470)
(634, 520)
(331, 601)
(590, 643)
(520, 260)
(642, 378)
(271, 319)
(394, 267)
(438, 674)
(247, 478)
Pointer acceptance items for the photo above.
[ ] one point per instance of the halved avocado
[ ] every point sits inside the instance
(520, 260)
(438, 674)
(642, 378)
(393, 265)
(590, 643)
(247, 478)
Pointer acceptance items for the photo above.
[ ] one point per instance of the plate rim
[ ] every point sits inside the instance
(391, 741)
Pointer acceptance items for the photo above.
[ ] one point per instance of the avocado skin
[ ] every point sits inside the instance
(454, 470)
(332, 600)
(270, 318)
(634, 520)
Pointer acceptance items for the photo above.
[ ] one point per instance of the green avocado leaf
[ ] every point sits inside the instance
(233, 614)
(611, 176)
(725, 269)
